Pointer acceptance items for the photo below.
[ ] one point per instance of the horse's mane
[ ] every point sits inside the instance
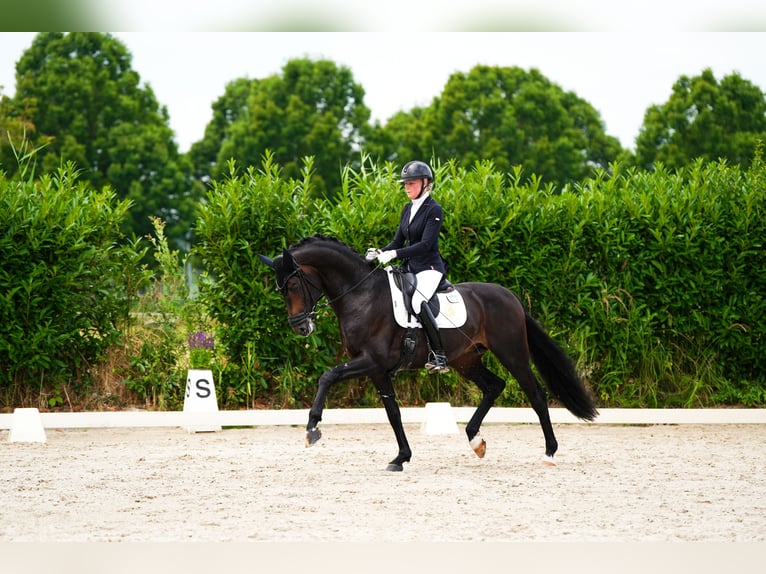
(327, 240)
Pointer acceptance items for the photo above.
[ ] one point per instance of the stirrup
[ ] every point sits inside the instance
(437, 364)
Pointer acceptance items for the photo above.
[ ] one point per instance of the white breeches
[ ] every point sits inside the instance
(427, 282)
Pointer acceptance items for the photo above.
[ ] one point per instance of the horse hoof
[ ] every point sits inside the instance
(393, 467)
(548, 461)
(479, 446)
(313, 436)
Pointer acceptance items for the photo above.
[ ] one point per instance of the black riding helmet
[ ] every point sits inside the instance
(416, 170)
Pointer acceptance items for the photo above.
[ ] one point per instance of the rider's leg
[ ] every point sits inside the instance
(437, 363)
(426, 284)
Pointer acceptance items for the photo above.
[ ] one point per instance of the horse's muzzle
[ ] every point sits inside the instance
(302, 323)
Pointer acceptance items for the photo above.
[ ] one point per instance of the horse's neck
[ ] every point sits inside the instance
(339, 275)
(339, 284)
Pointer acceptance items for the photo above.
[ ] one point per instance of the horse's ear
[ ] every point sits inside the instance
(290, 264)
(266, 260)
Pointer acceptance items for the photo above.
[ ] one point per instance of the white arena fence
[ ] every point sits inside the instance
(410, 415)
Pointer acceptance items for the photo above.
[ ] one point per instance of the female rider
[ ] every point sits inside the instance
(416, 243)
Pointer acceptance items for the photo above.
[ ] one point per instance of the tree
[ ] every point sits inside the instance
(231, 107)
(704, 119)
(15, 134)
(313, 108)
(509, 116)
(405, 136)
(82, 97)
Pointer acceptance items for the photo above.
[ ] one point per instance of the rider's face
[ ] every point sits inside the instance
(413, 187)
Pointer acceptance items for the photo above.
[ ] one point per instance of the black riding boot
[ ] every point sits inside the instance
(437, 363)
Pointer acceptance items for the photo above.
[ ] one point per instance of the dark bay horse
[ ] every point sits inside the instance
(358, 292)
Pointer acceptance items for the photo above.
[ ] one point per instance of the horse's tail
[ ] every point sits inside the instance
(558, 372)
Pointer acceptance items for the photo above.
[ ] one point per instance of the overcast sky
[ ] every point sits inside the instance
(620, 73)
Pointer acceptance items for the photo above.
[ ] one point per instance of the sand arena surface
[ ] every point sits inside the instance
(664, 483)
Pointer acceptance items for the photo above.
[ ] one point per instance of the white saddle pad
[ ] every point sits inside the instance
(452, 312)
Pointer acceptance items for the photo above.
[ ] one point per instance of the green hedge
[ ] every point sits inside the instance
(62, 285)
(654, 282)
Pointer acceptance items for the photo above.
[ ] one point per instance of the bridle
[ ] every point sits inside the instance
(306, 286)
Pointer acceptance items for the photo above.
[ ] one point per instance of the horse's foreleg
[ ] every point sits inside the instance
(352, 369)
(386, 390)
(313, 434)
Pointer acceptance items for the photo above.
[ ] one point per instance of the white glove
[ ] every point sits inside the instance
(386, 256)
(371, 254)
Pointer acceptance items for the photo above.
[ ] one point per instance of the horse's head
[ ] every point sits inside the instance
(299, 289)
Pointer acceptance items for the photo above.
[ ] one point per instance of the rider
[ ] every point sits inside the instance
(419, 226)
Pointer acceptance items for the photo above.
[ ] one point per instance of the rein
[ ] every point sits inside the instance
(349, 290)
(311, 315)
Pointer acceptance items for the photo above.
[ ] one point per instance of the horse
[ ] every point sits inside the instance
(359, 294)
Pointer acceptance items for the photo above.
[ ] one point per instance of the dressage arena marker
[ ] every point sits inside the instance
(439, 419)
(200, 398)
(26, 426)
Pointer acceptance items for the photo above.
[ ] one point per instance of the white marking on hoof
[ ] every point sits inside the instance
(479, 446)
(548, 461)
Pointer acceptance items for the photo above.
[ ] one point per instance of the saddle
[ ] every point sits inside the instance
(446, 305)
(407, 283)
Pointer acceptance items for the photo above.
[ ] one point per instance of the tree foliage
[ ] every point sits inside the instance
(313, 108)
(230, 108)
(78, 94)
(704, 119)
(509, 116)
(14, 131)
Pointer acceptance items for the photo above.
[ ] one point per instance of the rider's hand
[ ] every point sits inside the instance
(371, 254)
(386, 256)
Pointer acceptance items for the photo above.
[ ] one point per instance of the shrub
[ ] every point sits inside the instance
(62, 290)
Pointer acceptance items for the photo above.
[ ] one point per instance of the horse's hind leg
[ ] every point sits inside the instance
(385, 389)
(531, 387)
(491, 386)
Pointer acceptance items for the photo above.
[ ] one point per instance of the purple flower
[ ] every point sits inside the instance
(200, 340)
